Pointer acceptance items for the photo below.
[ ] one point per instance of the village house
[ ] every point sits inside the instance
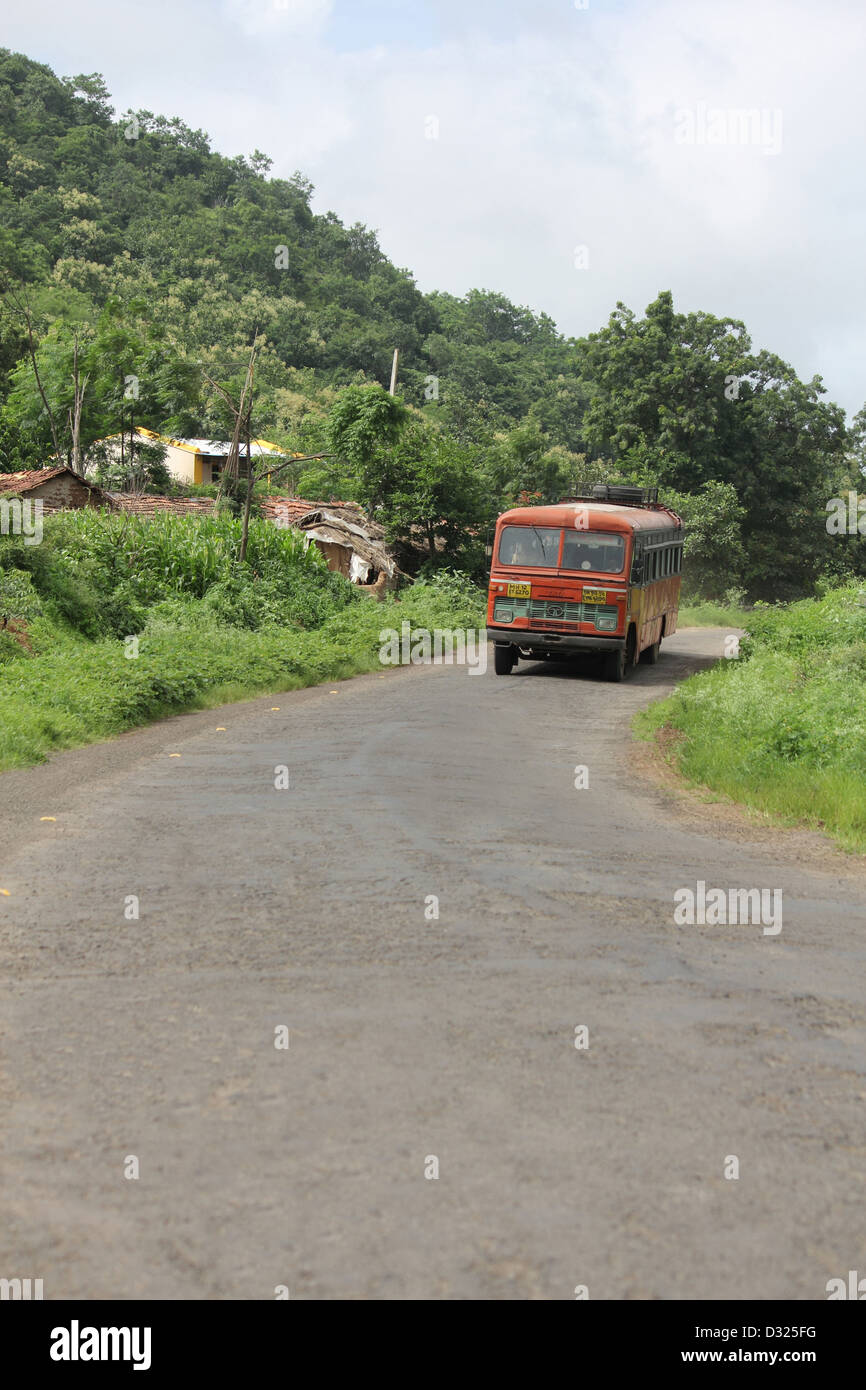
(58, 489)
(196, 461)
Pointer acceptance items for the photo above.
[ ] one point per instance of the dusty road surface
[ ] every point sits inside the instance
(413, 1038)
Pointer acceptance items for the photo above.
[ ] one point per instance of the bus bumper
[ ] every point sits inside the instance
(539, 641)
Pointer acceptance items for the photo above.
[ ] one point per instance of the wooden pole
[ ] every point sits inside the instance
(249, 497)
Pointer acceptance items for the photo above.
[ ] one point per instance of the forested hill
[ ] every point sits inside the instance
(141, 211)
(132, 250)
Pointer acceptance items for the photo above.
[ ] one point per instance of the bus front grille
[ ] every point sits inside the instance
(554, 610)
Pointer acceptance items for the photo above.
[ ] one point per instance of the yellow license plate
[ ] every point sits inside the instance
(519, 591)
(594, 595)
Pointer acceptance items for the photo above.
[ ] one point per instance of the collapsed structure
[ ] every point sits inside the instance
(350, 541)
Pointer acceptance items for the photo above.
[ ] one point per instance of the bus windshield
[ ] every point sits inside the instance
(599, 551)
(529, 545)
(537, 547)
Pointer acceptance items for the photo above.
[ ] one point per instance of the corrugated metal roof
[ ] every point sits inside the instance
(219, 447)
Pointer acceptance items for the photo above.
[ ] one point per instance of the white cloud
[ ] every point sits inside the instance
(556, 128)
(278, 17)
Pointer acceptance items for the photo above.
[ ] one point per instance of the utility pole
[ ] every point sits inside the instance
(393, 390)
(243, 412)
(250, 479)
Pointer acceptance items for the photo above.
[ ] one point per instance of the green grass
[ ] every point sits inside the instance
(208, 630)
(708, 614)
(783, 728)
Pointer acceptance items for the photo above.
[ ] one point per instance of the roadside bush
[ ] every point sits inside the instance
(448, 598)
(18, 597)
(783, 728)
(209, 629)
(100, 572)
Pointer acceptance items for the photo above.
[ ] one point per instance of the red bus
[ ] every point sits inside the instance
(598, 573)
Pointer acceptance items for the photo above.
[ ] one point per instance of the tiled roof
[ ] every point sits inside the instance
(30, 478)
(287, 510)
(290, 510)
(141, 504)
(33, 478)
(282, 510)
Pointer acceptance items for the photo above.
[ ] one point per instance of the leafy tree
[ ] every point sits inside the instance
(438, 497)
(713, 553)
(364, 424)
(681, 399)
(20, 449)
(522, 462)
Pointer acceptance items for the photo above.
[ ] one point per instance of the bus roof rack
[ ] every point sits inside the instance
(621, 494)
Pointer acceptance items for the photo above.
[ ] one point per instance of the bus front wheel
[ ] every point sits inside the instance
(614, 665)
(617, 663)
(504, 660)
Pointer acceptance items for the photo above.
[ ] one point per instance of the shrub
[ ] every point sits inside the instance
(783, 728)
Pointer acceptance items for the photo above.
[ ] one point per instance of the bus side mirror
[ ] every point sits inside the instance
(637, 570)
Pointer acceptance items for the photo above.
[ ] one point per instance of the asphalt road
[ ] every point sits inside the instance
(412, 1037)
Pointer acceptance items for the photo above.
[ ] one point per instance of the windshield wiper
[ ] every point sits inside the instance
(537, 535)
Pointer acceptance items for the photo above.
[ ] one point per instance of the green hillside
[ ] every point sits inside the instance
(136, 260)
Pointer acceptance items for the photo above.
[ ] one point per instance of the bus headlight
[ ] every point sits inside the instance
(606, 624)
(503, 615)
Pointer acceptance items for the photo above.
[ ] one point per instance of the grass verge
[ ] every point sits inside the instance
(61, 688)
(782, 730)
(708, 614)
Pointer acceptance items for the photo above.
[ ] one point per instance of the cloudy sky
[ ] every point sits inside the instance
(570, 153)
